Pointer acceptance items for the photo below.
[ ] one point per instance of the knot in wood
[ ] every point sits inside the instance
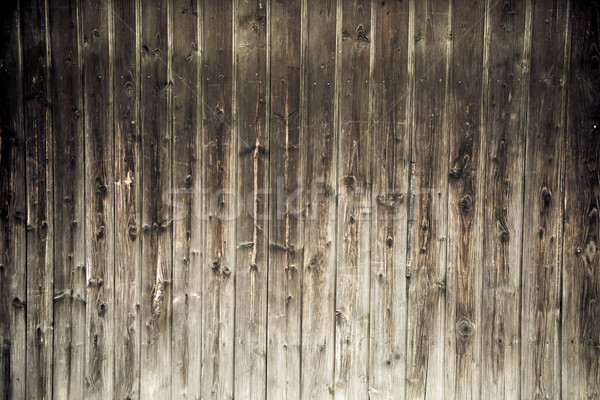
(546, 196)
(466, 203)
(464, 330)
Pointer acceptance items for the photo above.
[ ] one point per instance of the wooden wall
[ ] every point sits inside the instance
(300, 199)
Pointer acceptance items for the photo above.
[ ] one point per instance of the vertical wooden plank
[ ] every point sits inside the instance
(156, 213)
(543, 217)
(508, 43)
(40, 184)
(13, 209)
(69, 213)
(127, 334)
(393, 48)
(353, 215)
(251, 93)
(187, 236)
(462, 351)
(285, 225)
(219, 206)
(318, 290)
(581, 272)
(429, 185)
(99, 201)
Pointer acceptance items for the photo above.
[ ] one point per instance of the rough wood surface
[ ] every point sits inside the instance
(99, 198)
(69, 207)
(464, 257)
(285, 226)
(220, 208)
(187, 234)
(39, 181)
(13, 270)
(252, 225)
(426, 271)
(128, 176)
(580, 334)
(156, 258)
(391, 113)
(320, 146)
(299, 199)
(508, 43)
(543, 204)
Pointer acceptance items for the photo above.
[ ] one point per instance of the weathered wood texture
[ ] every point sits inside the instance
(299, 199)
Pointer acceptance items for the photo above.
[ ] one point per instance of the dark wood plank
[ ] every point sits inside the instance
(99, 200)
(40, 186)
(13, 209)
(127, 334)
(543, 215)
(285, 225)
(157, 236)
(187, 235)
(318, 290)
(429, 187)
(220, 206)
(252, 227)
(353, 213)
(508, 41)
(69, 212)
(581, 272)
(466, 171)
(393, 77)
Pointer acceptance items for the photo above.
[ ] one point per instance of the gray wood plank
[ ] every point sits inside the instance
(157, 259)
(393, 77)
(508, 43)
(429, 192)
(40, 186)
(13, 295)
(219, 207)
(252, 226)
(353, 186)
(580, 334)
(466, 172)
(320, 147)
(285, 225)
(127, 333)
(543, 208)
(69, 212)
(99, 198)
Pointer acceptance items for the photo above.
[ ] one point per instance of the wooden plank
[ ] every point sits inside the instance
(285, 225)
(69, 212)
(581, 273)
(466, 172)
(157, 237)
(543, 216)
(99, 201)
(251, 130)
(13, 293)
(127, 333)
(429, 186)
(220, 208)
(393, 78)
(353, 214)
(187, 235)
(508, 43)
(318, 289)
(40, 184)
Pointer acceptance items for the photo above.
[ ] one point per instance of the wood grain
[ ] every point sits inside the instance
(69, 207)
